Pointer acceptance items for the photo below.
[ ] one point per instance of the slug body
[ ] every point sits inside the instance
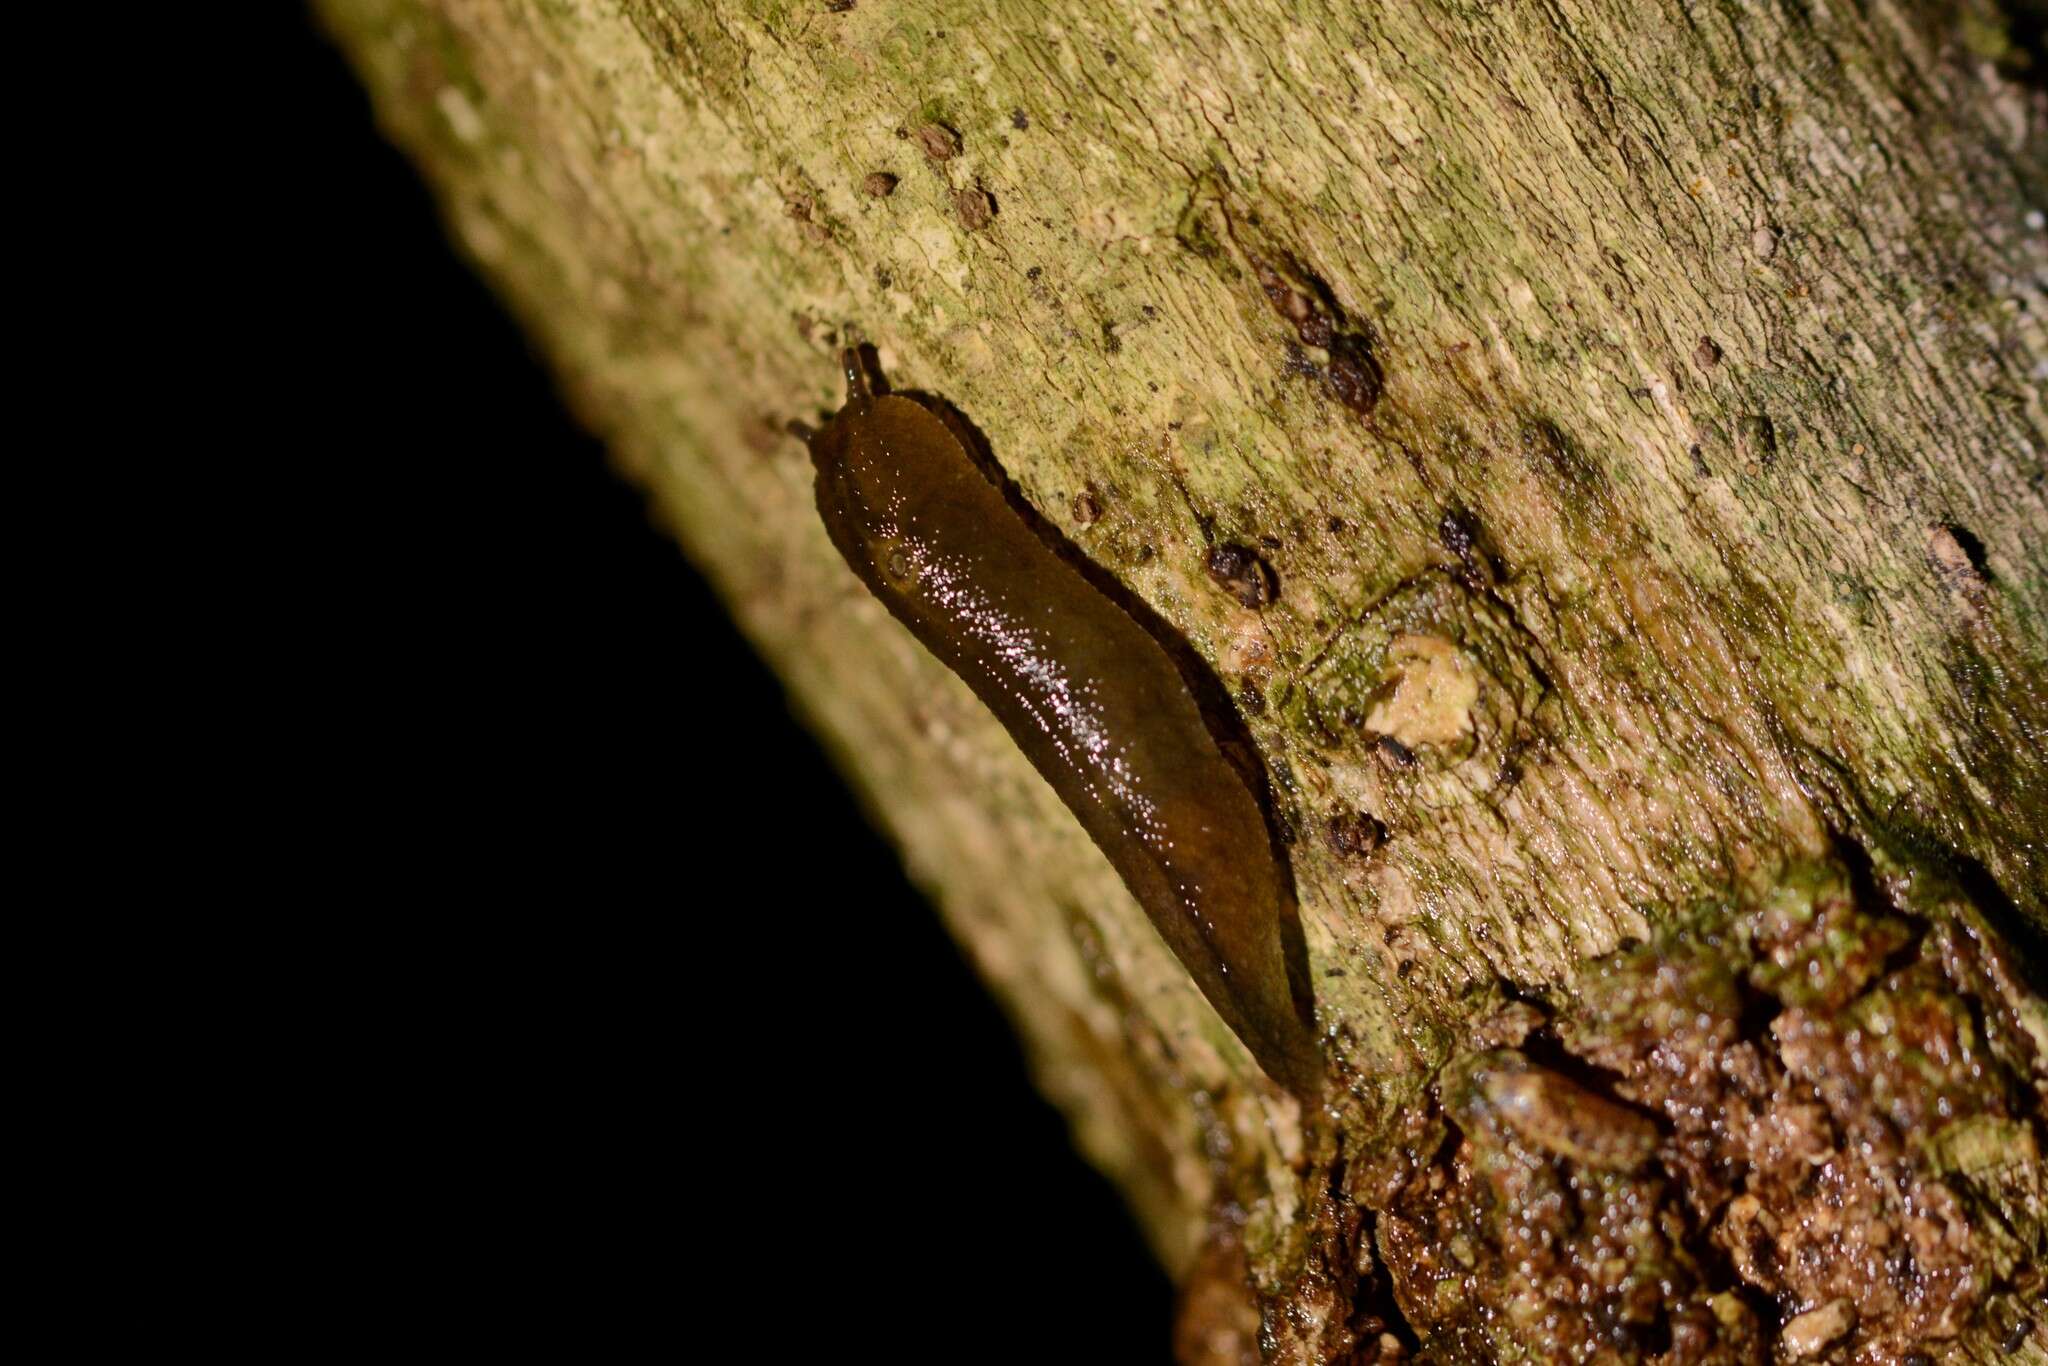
(1093, 700)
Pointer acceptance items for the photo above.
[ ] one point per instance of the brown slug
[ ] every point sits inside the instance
(1092, 698)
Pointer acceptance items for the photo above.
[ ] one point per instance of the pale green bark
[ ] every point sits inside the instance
(1723, 325)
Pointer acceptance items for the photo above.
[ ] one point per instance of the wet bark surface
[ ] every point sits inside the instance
(1600, 450)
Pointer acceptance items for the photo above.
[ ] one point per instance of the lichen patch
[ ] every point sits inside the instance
(1432, 692)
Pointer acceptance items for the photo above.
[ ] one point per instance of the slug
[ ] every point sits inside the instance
(1095, 702)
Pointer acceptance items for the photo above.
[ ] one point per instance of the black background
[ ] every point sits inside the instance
(651, 1037)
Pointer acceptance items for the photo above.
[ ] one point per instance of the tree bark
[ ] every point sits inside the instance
(1638, 411)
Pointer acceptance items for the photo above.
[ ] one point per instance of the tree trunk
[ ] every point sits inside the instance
(1626, 423)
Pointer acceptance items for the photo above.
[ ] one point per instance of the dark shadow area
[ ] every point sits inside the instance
(647, 1042)
(2027, 61)
(1972, 548)
(1375, 1302)
(2029, 940)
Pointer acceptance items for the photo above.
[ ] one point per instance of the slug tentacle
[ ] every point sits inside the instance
(858, 394)
(1090, 696)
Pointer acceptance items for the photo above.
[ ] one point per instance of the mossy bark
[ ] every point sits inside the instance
(1639, 410)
